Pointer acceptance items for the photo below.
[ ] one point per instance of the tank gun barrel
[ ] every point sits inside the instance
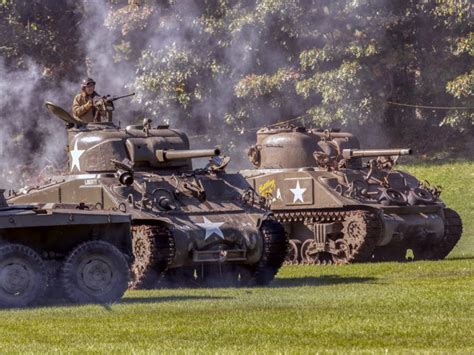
(166, 155)
(366, 153)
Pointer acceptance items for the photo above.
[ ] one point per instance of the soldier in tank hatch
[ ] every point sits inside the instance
(83, 107)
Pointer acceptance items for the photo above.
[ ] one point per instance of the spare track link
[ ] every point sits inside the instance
(275, 248)
(161, 254)
(371, 220)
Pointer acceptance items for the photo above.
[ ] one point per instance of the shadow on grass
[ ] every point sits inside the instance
(135, 300)
(319, 281)
(461, 257)
(48, 303)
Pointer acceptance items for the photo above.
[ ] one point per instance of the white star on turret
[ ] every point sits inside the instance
(298, 192)
(75, 155)
(211, 228)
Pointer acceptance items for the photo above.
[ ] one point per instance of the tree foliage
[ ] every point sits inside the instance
(222, 66)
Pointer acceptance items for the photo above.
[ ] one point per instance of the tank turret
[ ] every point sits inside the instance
(294, 147)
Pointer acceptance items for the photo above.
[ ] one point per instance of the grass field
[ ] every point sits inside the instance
(372, 308)
(419, 306)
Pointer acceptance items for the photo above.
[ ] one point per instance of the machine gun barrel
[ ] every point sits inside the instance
(365, 153)
(166, 155)
(114, 98)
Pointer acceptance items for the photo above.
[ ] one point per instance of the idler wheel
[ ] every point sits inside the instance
(392, 197)
(23, 276)
(293, 256)
(419, 196)
(95, 271)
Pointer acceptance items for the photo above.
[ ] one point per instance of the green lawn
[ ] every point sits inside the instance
(418, 306)
(371, 308)
(457, 181)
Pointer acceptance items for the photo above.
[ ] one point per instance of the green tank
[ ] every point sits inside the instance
(194, 226)
(51, 252)
(338, 208)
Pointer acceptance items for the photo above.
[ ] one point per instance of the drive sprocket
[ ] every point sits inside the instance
(275, 249)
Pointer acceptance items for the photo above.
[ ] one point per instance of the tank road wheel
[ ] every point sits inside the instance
(275, 248)
(23, 276)
(294, 251)
(361, 231)
(438, 250)
(95, 271)
(153, 249)
(312, 254)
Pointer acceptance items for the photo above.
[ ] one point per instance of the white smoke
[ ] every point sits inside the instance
(31, 138)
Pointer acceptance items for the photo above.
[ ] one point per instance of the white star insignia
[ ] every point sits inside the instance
(75, 155)
(298, 192)
(211, 228)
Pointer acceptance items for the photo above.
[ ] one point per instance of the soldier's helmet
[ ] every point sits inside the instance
(86, 82)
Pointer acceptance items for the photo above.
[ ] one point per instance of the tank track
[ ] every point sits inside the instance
(366, 225)
(155, 253)
(425, 250)
(452, 232)
(438, 250)
(275, 249)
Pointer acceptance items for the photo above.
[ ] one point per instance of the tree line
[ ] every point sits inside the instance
(230, 66)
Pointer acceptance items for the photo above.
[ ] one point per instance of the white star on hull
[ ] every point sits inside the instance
(211, 228)
(298, 192)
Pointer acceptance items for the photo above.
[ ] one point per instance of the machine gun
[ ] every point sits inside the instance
(105, 106)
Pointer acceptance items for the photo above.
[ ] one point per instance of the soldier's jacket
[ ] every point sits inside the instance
(83, 107)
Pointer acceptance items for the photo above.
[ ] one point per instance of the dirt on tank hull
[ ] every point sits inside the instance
(338, 210)
(192, 226)
(51, 252)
